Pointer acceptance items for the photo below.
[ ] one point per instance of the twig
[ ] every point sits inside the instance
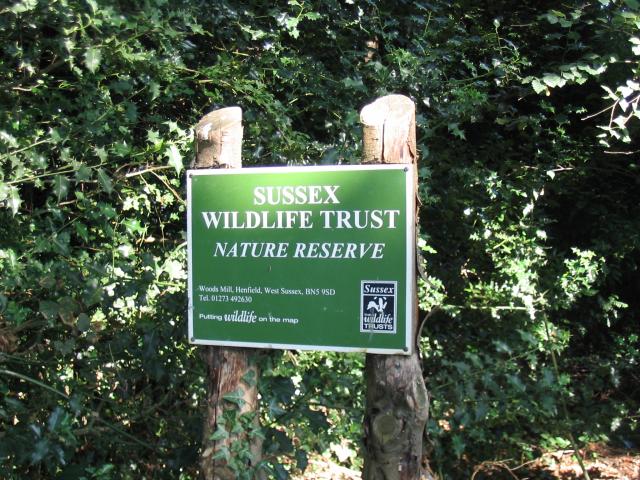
(146, 170)
(613, 111)
(501, 464)
(166, 184)
(15, 85)
(599, 113)
(7, 155)
(47, 174)
(610, 152)
(26, 378)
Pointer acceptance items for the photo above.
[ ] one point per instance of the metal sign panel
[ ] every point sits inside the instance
(316, 258)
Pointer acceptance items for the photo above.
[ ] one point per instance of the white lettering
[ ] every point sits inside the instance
(258, 196)
(281, 219)
(300, 195)
(211, 218)
(359, 219)
(251, 249)
(339, 250)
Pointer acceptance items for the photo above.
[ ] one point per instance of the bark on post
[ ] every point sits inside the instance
(231, 372)
(397, 402)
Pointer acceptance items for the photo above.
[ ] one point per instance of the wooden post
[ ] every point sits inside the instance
(397, 402)
(231, 372)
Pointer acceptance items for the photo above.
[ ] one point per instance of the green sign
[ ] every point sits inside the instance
(317, 258)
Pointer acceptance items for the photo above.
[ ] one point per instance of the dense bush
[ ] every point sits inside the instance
(530, 230)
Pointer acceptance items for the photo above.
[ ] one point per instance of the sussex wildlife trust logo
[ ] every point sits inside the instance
(378, 306)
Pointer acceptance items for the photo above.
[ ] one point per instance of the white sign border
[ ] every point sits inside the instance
(410, 300)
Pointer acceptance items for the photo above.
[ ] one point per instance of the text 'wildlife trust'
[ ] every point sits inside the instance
(329, 219)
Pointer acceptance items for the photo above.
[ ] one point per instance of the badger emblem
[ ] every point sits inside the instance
(379, 307)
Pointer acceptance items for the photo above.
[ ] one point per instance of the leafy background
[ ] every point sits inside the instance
(530, 230)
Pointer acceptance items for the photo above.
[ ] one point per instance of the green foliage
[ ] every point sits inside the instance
(309, 408)
(92, 242)
(524, 224)
(527, 130)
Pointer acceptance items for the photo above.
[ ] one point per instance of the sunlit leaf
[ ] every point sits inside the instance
(175, 158)
(92, 58)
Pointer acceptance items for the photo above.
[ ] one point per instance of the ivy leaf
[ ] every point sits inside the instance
(282, 440)
(235, 397)
(175, 158)
(83, 173)
(222, 454)
(553, 80)
(459, 445)
(92, 58)
(40, 450)
(54, 419)
(355, 83)
(153, 137)
(154, 88)
(219, 434)
(249, 378)
(131, 111)
(93, 5)
(291, 24)
(24, 6)
(275, 409)
(67, 309)
(317, 420)
(121, 149)
(454, 128)
(175, 270)
(60, 187)
(14, 200)
(538, 86)
(104, 181)
(48, 309)
(4, 191)
(133, 226)
(8, 139)
(302, 460)
(280, 472)
(84, 322)
(101, 153)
